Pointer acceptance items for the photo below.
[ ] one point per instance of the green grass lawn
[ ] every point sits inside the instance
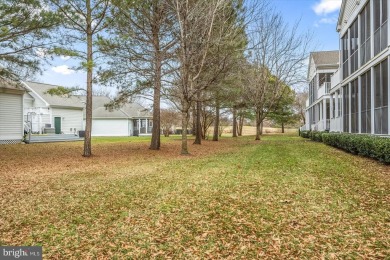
(284, 197)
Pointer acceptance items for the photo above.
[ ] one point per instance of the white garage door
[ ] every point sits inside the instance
(11, 117)
(110, 127)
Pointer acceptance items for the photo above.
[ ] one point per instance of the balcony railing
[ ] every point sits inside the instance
(335, 124)
(335, 79)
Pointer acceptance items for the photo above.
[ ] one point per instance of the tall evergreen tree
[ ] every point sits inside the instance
(82, 22)
(24, 36)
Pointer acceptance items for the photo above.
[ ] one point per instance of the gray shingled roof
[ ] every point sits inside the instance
(322, 58)
(54, 100)
(10, 84)
(131, 110)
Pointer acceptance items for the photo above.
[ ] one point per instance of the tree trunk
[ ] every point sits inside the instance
(282, 127)
(216, 121)
(234, 122)
(198, 127)
(258, 126)
(193, 120)
(88, 107)
(261, 128)
(240, 125)
(184, 121)
(156, 140)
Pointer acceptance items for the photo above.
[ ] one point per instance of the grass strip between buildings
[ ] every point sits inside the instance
(282, 197)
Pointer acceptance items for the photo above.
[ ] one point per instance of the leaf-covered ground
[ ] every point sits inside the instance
(283, 197)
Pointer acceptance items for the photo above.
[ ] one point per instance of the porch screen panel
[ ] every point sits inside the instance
(354, 46)
(344, 54)
(366, 102)
(354, 106)
(381, 98)
(365, 32)
(380, 25)
(346, 109)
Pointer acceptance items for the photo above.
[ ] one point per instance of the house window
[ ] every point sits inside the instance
(365, 82)
(135, 123)
(380, 26)
(344, 54)
(354, 46)
(150, 123)
(346, 108)
(381, 97)
(365, 32)
(354, 106)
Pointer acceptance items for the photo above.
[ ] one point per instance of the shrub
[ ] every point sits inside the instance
(366, 145)
(316, 136)
(305, 134)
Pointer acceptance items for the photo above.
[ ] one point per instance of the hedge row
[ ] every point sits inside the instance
(366, 145)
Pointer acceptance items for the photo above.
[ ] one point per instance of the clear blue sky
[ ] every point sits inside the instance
(318, 16)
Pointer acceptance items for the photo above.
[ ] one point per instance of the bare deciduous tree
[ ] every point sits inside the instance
(196, 22)
(169, 118)
(276, 58)
(300, 105)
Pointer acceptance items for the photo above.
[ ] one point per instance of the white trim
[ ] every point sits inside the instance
(30, 89)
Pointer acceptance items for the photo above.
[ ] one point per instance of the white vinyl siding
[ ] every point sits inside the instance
(11, 116)
(350, 7)
(71, 119)
(111, 127)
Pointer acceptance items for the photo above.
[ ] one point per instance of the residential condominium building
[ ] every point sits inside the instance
(322, 66)
(359, 94)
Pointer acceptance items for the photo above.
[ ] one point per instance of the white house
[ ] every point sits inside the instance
(131, 119)
(11, 111)
(52, 114)
(66, 114)
(360, 88)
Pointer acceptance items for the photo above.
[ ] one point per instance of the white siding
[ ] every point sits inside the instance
(348, 15)
(71, 119)
(110, 127)
(312, 69)
(11, 116)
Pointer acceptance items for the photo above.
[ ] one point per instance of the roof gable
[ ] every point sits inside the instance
(128, 110)
(54, 100)
(326, 58)
(11, 85)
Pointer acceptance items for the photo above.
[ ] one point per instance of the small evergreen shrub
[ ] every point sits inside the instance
(305, 134)
(366, 145)
(316, 136)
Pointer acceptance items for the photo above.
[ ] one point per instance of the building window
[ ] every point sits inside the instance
(344, 54)
(150, 123)
(346, 108)
(381, 97)
(354, 46)
(380, 26)
(354, 106)
(365, 82)
(365, 32)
